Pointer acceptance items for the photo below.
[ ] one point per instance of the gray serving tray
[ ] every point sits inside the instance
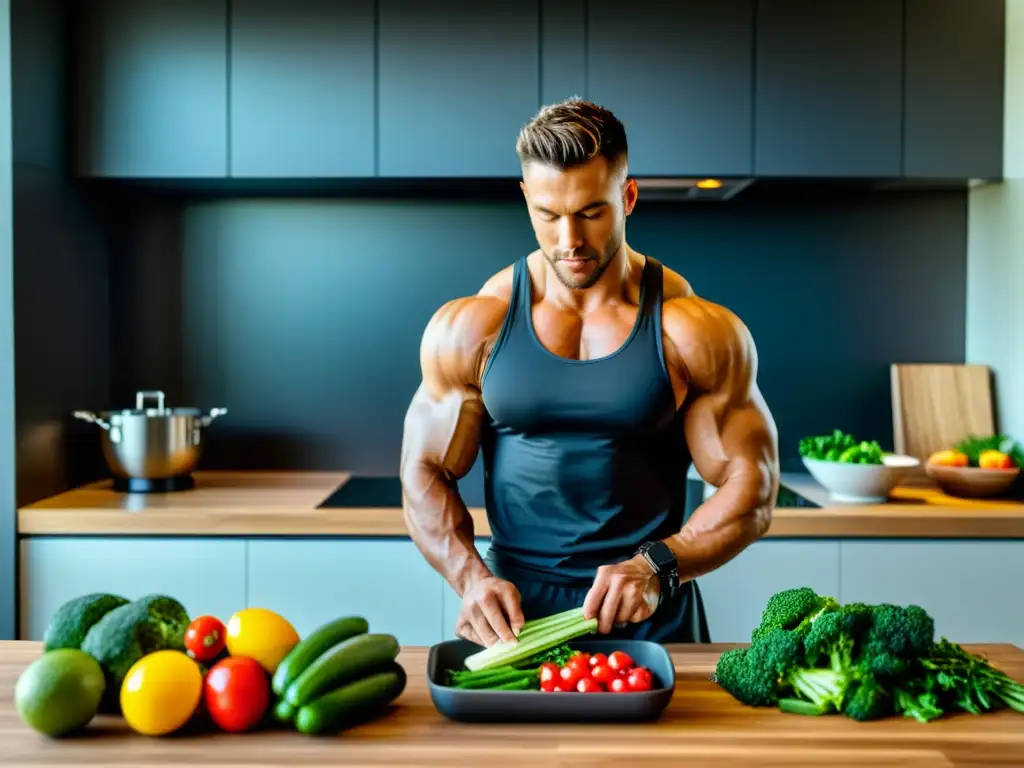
(539, 706)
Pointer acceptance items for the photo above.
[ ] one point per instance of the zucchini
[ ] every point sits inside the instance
(283, 711)
(309, 649)
(353, 703)
(348, 660)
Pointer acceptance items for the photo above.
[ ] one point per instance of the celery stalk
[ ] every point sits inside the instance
(533, 643)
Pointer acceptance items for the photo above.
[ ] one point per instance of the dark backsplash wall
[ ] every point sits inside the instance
(303, 317)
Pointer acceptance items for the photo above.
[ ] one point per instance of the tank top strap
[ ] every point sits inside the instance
(651, 290)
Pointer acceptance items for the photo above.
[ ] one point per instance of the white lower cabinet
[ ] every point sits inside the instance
(205, 575)
(312, 582)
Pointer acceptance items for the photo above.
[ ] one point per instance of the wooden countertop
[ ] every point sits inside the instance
(286, 504)
(702, 726)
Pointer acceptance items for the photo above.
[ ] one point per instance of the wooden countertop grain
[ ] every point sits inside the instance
(284, 503)
(702, 726)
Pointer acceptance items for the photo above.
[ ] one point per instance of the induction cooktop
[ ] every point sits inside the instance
(386, 492)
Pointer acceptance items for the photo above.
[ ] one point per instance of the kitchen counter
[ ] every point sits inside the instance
(702, 726)
(289, 504)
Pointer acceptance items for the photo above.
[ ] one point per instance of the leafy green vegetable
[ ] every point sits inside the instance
(520, 675)
(811, 655)
(842, 447)
(974, 445)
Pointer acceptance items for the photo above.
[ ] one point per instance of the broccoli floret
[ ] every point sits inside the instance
(126, 634)
(755, 675)
(897, 638)
(793, 610)
(72, 620)
(867, 699)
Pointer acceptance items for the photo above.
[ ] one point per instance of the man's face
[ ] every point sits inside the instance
(579, 217)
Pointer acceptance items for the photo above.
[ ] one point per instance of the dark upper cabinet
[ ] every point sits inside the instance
(457, 80)
(955, 61)
(302, 88)
(678, 75)
(151, 88)
(828, 94)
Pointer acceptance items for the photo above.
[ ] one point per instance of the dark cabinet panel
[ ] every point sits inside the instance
(828, 94)
(563, 50)
(954, 88)
(302, 88)
(678, 75)
(456, 82)
(151, 88)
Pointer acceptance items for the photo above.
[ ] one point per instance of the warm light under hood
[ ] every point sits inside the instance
(705, 188)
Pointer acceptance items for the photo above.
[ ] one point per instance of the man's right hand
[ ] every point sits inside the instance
(491, 611)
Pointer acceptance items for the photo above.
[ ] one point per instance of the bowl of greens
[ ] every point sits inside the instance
(854, 470)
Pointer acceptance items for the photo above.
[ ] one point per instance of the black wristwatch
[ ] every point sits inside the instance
(663, 561)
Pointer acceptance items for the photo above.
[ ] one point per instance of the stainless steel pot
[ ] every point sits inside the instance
(152, 443)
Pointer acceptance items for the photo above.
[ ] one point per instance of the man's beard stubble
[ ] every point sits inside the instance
(603, 260)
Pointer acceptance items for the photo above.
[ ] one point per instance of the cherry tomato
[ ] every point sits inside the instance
(568, 676)
(548, 685)
(548, 672)
(639, 679)
(560, 689)
(205, 638)
(589, 685)
(620, 661)
(236, 693)
(580, 658)
(598, 659)
(603, 674)
(580, 664)
(618, 685)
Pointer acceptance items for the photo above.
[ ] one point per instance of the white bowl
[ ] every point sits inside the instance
(861, 483)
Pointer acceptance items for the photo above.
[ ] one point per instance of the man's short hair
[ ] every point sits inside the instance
(572, 133)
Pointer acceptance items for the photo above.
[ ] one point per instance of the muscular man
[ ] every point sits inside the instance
(590, 376)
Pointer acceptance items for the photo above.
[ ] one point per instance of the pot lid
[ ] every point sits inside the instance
(143, 397)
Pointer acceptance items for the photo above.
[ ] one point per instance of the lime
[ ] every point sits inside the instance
(60, 691)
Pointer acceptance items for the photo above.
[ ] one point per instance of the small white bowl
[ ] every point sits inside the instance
(861, 483)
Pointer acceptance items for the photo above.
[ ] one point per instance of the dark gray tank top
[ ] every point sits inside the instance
(584, 460)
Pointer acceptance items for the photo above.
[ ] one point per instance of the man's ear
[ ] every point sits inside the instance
(630, 193)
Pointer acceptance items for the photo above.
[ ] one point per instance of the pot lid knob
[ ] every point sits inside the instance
(142, 396)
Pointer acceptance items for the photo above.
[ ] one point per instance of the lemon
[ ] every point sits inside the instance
(161, 692)
(59, 692)
(262, 635)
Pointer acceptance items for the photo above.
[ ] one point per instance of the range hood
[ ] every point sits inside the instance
(678, 189)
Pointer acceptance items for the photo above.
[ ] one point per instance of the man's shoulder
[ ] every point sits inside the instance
(709, 338)
(674, 285)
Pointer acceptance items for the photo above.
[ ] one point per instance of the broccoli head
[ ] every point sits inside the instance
(73, 619)
(793, 610)
(868, 699)
(897, 638)
(755, 675)
(129, 632)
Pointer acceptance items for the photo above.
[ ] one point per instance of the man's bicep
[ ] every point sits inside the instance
(729, 427)
(442, 430)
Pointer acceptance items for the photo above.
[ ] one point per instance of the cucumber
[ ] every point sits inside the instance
(353, 703)
(308, 649)
(283, 711)
(348, 660)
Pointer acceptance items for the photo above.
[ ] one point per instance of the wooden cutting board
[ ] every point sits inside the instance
(935, 406)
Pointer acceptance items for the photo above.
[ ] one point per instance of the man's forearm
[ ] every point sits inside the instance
(736, 516)
(440, 526)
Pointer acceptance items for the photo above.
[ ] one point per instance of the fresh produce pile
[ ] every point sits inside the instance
(811, 655)
(146, 661)
(544, 660)
(842, 447)
(991, 452)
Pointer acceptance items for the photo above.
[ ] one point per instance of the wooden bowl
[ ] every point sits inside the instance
(972, 482)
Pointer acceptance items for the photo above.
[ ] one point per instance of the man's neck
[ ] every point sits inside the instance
(613, 285)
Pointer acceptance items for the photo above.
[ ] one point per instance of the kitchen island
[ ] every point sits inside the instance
(702, 726)
(266, 538)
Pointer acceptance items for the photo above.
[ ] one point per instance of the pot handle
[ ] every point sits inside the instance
(204, 421)
(90, 416)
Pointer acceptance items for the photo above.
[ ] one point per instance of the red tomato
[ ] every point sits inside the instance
(620, 661)
(618, 685)
(598, 659)
(568, 676)
(639, 679)
(602, 673)
(589, 685)
(205, 638)
(548, 672)
(580, 664)
(236, 693)
(580, 658)
(548, 686)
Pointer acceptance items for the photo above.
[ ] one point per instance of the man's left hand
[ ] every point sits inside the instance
(624, 592)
